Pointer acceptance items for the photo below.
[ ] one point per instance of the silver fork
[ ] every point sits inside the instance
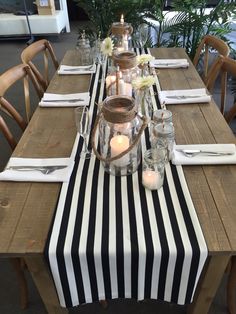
(43, 169)
(64, 100)
(184, 96)
(194, 152)
(87, 68)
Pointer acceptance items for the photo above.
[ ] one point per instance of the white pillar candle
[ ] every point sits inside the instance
(125, 42)
(110, 84)
(152, 180)
(122, 19)
(119, 143)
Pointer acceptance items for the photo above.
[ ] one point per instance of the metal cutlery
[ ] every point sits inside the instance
(171, 64)
(184, 96)
(64, 100)
(88, 68)
(194, 152)
(42, 169)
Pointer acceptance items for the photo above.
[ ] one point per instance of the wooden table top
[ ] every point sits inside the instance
(27, 208)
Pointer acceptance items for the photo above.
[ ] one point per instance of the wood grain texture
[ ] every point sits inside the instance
(203, 123)
(44, 283)
(26, 209)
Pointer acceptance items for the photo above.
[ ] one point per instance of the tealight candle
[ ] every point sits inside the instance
(153, 169)
(119, 143)
(152, 180)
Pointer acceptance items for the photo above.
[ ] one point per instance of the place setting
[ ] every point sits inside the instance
(169, 63)
(76, 69)
(204, 154)
(65, 100)
(38, 169)
(184, 96)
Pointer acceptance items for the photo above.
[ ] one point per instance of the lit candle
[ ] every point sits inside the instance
(122, 19)
(152, 180)
(120, 49)
(119, 143)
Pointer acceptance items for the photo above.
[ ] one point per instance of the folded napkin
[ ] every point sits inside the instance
(169, 63)
(69, 69)
(185, 96)
(178, 158)
(65, 100)
(26, 174)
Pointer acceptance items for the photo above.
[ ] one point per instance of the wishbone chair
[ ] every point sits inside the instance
(225, 67)
(29, 54)
(207, 43)
(7, 80)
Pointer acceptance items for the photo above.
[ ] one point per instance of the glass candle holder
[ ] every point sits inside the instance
(162, 116)
(164, 133)
(153, 169)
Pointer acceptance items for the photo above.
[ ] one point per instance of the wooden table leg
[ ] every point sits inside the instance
(44, 283)
(231, 288)
(208, 285)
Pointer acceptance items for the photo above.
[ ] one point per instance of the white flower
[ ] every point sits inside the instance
(144, 58)
(107, 46)
(143, 82)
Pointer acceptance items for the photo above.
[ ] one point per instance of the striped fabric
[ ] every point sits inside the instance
(111, 238)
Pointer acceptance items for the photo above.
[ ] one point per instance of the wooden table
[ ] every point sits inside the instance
(27, 208)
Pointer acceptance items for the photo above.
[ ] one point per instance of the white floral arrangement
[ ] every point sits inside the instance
(144, 59)
(107, 46)
(143, 82)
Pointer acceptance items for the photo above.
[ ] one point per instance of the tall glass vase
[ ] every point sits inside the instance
(144, 102)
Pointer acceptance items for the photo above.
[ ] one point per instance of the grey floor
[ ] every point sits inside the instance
(9, 299)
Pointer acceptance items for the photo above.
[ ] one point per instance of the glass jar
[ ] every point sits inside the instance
(143, 102)
(84, 49)
(162, 116)
(120, 129)
(153, 169)
(126, 71)
(121, 36)
(164, 133)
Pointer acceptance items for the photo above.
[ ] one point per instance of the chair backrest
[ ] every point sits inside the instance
(7, 80)
(44, 47)
(208, 43)
(224, 67)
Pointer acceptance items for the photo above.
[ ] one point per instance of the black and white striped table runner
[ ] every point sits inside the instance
(111, 238)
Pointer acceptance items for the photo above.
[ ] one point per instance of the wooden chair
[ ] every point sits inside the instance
(208, 43)
(231, 287)
(224, 67)
(7, 80)
(44, 47)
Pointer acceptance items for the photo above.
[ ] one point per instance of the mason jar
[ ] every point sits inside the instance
(120, 82)
(153, 169)
(121, 36)
(120, 129)
(164, 133)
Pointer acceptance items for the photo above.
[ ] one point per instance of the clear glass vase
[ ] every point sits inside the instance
(144, 102)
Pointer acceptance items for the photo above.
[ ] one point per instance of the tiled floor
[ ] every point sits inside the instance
(9, 56)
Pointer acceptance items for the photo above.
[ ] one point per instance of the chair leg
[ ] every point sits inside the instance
(17, 265)
(231, 288)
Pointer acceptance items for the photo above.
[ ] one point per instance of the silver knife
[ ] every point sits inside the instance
(184, 96)
(43, 169)
(64, 100)
(195, 152)
(88, 68)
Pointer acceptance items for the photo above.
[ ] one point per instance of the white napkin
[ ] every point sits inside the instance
(179, 158)
(60, 175)
(185, 96)
(64, 100)
(169, 63)
(65, 69)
